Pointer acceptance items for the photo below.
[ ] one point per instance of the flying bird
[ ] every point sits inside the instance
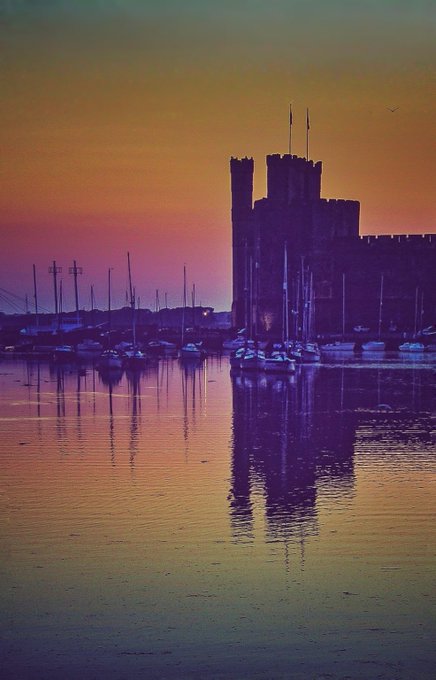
(392, 110)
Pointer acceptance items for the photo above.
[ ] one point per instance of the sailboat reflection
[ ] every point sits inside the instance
(288, 438)
(134, 384)
(110, 379)
(193, 393)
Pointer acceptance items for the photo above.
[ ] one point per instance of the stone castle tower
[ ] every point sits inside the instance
(322, 240)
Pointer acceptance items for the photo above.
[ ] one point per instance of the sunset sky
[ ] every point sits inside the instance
(119, 117)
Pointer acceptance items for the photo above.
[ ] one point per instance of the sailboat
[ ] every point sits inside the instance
(135, 358)
(110, 358)
(278, 361)
(189, 351)
(309, 350)
(377, 345)
(340, 345)
(414, 346)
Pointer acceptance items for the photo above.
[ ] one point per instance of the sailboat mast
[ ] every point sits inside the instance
(415, 325)
(246, 289)
(109, 313)
(421, 312)
(184, 303)
(285, 296)
(250, 301)
(132, 301)
(343, 306)
(311, 308)
(55, 271)
(35, 297)
(76, 270)
(297, 306)
(193, 306)
(92, 305)
(381, 306)
(303, 303)
(61, 298)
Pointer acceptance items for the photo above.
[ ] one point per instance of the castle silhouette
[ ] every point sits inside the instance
(325, 254)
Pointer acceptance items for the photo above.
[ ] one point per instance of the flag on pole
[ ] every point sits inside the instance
(290, 128)
(307, 133)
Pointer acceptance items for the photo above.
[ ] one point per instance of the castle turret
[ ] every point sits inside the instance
(290, 178)
(242, 171)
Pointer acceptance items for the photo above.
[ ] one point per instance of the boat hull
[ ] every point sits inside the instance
(253, 361)
(412, 347)
(191, 352)
(283, 366)
(110, 360)
(338, 347)
(373, 346)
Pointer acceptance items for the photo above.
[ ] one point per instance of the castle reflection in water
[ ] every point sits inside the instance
(289, 436)
(295, 438)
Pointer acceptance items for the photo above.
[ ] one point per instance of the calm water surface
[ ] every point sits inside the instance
(183, 523)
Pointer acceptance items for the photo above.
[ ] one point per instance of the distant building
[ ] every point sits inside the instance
(326, 257)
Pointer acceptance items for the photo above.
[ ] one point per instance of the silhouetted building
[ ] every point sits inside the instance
(326, 255)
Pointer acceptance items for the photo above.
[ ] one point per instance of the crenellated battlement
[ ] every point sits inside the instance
(245, 161)
(292, 159)
(339, 201)
(412, 239)
(291, 178)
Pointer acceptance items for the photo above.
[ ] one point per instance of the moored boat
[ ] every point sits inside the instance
(279, 362)
(159, 348)
(135, 358)
(310, 353)
(64, 353)
(373, 346)
(338, 346)
(377, 345)
(236, 356)
(237, 343)
(192, 351)
(294, 350)
(412, 347)
(110, 359)
(253, 360)
(88, 346)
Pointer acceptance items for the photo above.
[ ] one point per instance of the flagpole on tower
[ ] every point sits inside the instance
(307, 133)
(290, 128)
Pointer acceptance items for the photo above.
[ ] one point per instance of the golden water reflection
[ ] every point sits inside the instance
(181, 521)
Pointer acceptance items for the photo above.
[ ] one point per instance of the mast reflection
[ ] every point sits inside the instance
(193, 376)
(110, 379)
(134, 385)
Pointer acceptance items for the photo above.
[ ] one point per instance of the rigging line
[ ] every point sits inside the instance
(14, 295)
(21, 299)
(11, 303)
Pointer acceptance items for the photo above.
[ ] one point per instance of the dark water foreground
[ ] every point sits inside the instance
(186, 524)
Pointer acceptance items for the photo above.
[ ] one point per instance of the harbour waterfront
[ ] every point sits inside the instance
(182, 522)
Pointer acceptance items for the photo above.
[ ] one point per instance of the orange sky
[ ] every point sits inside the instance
(119, 118)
